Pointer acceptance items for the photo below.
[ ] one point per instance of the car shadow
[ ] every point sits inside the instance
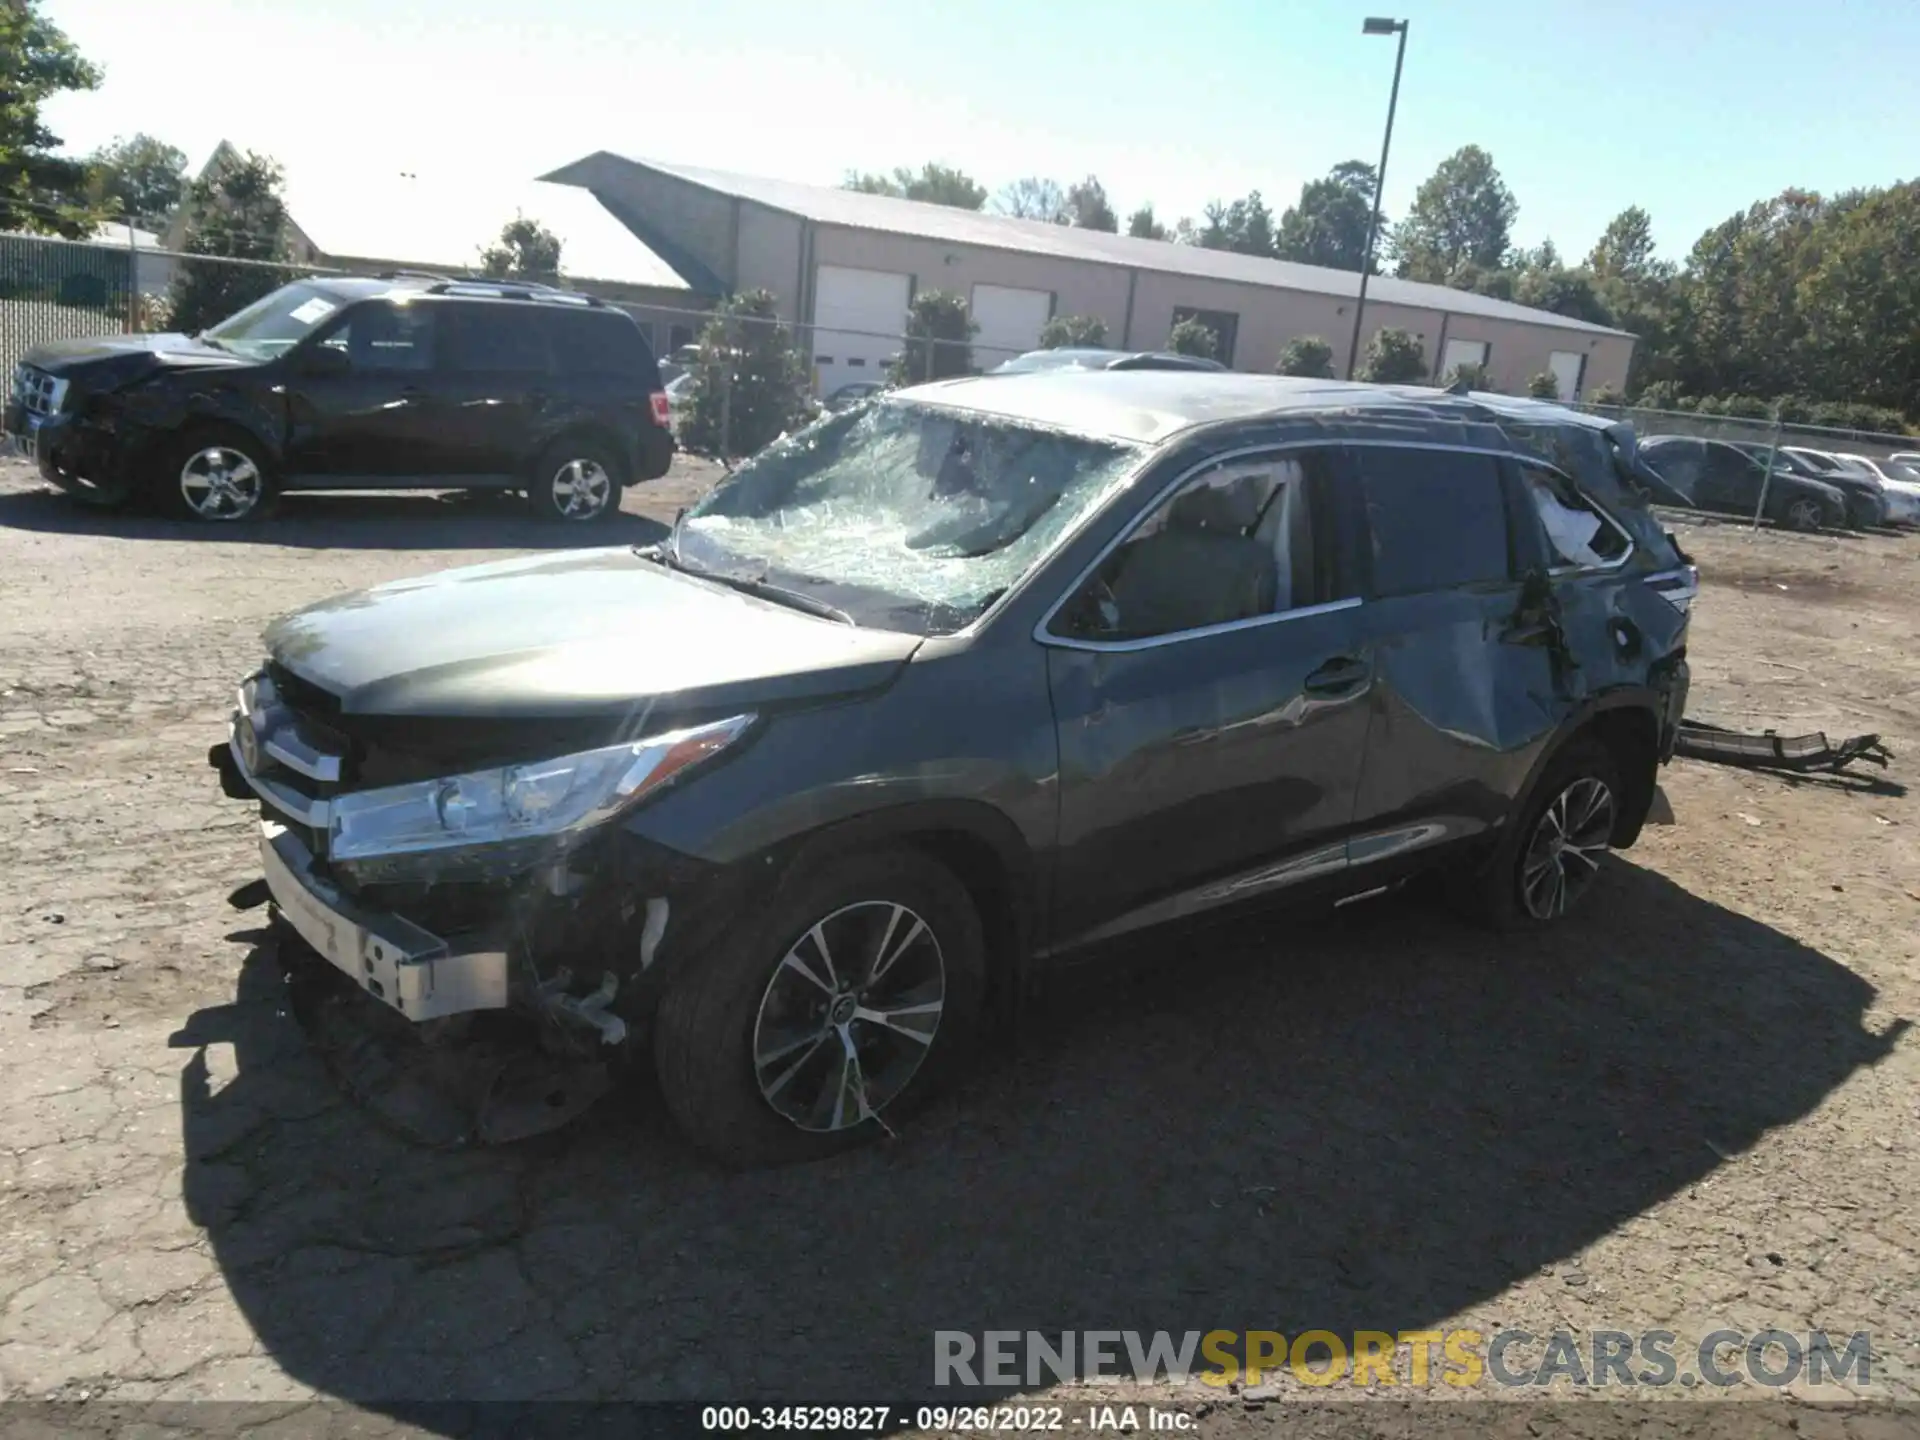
(1373, 1119)
(346, 520)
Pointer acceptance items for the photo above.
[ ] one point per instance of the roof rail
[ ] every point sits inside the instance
(410, 275)
(513, 289)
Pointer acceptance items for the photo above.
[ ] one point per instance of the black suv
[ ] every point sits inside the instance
(1721, 476)
(363, 384)
(971, 678)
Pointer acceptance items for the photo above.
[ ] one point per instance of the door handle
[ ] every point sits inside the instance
(1339, 676)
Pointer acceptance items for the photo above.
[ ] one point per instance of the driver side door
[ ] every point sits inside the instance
(374, 417)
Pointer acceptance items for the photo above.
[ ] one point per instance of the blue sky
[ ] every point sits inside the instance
(1692, 108)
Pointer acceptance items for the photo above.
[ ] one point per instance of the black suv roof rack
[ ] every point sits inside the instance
(513, 290)
(410, 275)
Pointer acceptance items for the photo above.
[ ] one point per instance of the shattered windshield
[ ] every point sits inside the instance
(898, 508)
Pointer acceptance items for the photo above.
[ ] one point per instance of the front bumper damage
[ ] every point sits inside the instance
(469, 1012)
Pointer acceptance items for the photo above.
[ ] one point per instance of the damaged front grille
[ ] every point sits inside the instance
(294, 762)
(37, 392)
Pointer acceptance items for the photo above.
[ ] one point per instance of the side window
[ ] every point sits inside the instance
(1242, 539)
(1677, 462)
(1578, 532)
(599, 342)
(1438, 517)
(493, 339)
(385, 337)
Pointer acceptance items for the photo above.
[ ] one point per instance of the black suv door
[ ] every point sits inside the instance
(1210, 692)
(495, 384)
(375, 416)
(1465, 689)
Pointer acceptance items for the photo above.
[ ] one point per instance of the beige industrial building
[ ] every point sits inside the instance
(845, 265)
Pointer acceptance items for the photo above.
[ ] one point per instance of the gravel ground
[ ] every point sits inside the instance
(1695, 1108)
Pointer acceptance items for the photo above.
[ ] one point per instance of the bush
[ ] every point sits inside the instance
(750, 385)
(1192, 337)
(1307, 355)
(1544, 386)
(1608, 395)
(1475, 376)
(1660, 395)
(1073, 330)
(939, 340)
(1393, 358)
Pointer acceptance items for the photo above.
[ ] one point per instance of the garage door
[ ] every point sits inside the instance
(858, 318)
(1009, 320)
(1569, 367)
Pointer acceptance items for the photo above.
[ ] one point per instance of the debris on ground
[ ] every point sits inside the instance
(1770, 750)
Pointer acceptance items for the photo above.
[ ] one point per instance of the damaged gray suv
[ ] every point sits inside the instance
(951, 688)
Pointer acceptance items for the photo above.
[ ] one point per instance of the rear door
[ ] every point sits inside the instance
(375, 418)
(494, 384)
(607, 373)
(1210, 691)
(1465, 689)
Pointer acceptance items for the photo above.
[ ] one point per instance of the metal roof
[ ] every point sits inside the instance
(857, 211)
(1149, 406)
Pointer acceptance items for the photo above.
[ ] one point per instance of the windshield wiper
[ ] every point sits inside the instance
(668, 554)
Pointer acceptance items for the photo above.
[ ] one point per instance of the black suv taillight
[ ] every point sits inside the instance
(662, 409)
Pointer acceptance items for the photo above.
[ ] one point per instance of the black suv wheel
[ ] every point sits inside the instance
(1548, 862)
(217, 474)
(806, 1034)
(577, 481)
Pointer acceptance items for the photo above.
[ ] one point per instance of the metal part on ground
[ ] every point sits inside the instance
(1769, 750)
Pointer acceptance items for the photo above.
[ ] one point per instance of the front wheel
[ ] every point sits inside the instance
(1548, 862)
(1803, 514)
(218, 475)
(577, 481)
(809, 1033)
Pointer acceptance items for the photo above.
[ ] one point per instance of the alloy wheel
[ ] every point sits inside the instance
(581, 489)
(849, 1016)
(1564, 852)
(1804, 515)
(221, 483)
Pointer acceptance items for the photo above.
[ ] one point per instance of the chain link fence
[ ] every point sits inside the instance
(1758, 468)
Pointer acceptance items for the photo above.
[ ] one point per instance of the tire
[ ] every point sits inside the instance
(577, 482)
(727, 1027)
(1803, 514)
(216, 473)
(1508, 891)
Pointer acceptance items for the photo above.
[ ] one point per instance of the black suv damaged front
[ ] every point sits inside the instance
(356, 383)
(956, 686)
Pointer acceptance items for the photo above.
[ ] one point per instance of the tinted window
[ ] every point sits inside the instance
(385, 337)
(492, 338)
(599, 342)
(1577, 531)
(1243, 539)
(1675, 461)
(1437, 516)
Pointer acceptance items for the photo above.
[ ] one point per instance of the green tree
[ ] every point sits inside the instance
(40, 190)
(1193, 337)
(1087, 206)
(934, 183)
(1306, 355)
(1033, 198)
(1143, 225)
(1393, 358)
(1544, 386)
(526, 250)
(1624, 250)
(1564, 292)
(1328, 224)
(1474, 375)
(750, 386)
(235, 214)
(1462, 214)
(1637, 289)
(1070, 330)
(939, 339)
(139, 179)
(1245, 226)
(1861, 302)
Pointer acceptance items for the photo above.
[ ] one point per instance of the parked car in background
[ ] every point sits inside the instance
(358, 384)
(968, 680)
(1866, 502)
(1080, 357)
(679, 396)
(1900, 482)
(1909, 458)
(1718, 476)
(850, 395)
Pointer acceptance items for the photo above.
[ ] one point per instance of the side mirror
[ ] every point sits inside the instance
(323, 360)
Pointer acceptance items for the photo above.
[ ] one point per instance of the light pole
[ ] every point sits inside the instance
(1375, 25)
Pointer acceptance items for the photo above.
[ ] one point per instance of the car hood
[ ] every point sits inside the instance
(104, 361)
(575, 634)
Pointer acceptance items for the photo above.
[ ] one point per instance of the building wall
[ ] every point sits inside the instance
(1518, 351)
(769, 256)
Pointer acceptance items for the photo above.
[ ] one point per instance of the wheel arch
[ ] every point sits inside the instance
(585, 428)
(1627, 722)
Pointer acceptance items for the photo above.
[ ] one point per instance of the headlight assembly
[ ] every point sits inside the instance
(547, 804)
